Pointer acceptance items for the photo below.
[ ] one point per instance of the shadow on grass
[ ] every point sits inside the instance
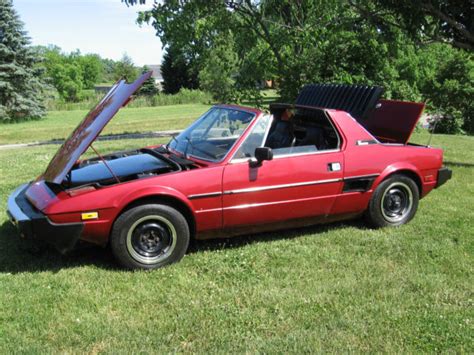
(266, 237)
(17, 255)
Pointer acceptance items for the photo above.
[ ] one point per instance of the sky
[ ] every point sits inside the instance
(104, 27)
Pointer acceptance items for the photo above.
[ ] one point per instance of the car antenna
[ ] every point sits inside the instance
(105, 163)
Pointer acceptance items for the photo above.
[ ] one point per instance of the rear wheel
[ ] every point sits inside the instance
(394, 202)
(149, 237)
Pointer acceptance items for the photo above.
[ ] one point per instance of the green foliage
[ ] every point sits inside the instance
(125, 69)
(149, 87)
(184, 96)
(89, 98)
(451, 91)
(21, 90)
(298, 42)
(449, 21)
(108, 72)
(91, 68)
(219, 70)
(177, 71)
(70, 73)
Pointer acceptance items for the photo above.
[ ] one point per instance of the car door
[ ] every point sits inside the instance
(295, 184)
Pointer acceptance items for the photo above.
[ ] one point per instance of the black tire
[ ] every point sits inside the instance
(149, 236)
(393, 203)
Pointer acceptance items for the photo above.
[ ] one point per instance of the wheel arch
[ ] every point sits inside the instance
(164, 199)
(410, 172)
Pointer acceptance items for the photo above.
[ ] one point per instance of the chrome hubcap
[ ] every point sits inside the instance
(397, 202)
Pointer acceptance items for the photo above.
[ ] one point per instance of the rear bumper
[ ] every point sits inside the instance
(444, 174)
(32, 224)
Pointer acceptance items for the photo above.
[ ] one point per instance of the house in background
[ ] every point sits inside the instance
(156, 75)
(156, 68)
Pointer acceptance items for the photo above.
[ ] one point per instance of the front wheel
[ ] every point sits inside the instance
(149, 236)
(394, 202)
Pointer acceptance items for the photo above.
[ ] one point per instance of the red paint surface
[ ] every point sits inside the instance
(228, 210)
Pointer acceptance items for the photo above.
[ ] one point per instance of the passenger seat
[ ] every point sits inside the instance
(314, 136)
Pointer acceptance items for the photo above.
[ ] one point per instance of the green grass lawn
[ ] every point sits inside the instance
(59, 124)
(333, 288)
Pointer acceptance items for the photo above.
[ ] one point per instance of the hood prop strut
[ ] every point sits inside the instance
(105, 163)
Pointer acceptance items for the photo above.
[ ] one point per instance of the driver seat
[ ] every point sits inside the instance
(281, 136)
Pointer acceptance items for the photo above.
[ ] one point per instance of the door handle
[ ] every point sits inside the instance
(336, 166)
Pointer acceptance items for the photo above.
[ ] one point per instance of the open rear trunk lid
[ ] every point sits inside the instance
(388, 120)
(393, 121)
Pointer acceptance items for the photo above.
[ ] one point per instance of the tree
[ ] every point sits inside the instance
(302, 41)
(63, 72)
(177, 71)
(149, 87)
(108, 70)
(125, 69)
(91, 68)
(448, 21)
(21, 90)
(287, 40)
(220, 70)
(450, 89)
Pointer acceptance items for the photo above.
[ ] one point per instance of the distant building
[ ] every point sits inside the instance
(102, 89)
(156, 68)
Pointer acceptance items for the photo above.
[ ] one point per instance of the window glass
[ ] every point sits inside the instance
(254, 139)
(213, 135)
(301, 131)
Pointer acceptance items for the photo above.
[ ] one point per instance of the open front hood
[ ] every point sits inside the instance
(88, 130)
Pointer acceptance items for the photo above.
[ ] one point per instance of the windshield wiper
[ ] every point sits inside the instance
(187, 145)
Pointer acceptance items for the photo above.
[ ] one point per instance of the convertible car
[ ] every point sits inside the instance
(338, 152)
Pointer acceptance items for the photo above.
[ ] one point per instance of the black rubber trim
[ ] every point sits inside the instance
(207, 195)
(444, 174)
(33, 224)
(359, 183)
(159, 155)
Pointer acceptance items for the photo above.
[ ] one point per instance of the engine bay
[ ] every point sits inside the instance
(124, 166)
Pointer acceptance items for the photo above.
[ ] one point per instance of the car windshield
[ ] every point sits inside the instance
(213, 135)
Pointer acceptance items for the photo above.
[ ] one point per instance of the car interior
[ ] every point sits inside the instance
(300, 130)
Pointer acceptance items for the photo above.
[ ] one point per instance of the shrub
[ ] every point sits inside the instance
(90, 99)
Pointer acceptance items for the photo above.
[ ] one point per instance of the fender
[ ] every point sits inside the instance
(98, 231)
(394, 168)
(153, 191)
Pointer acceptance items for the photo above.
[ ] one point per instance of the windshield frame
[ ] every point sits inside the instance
(254, 116)
(233, 159)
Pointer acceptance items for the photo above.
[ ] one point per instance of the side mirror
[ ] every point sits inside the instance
(261, 154)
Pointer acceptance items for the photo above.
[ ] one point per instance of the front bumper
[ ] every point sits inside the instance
(444, 174)
(32, 224)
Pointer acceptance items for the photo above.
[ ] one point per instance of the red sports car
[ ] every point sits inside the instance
(339, 152)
